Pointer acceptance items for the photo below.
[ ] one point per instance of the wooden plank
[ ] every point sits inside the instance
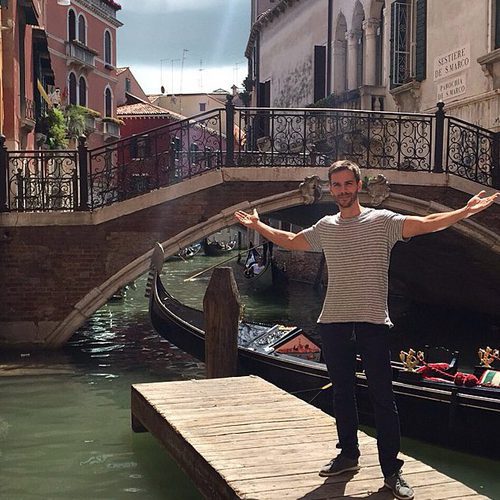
(241, 437)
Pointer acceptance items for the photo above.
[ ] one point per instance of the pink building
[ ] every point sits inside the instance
(82, 46)
(24, 61)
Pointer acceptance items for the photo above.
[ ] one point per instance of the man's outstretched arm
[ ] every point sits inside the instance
(414, 225)
(285, 239)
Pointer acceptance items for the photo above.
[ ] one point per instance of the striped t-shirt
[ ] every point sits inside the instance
(357, 253)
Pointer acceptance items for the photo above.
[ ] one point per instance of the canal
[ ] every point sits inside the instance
(65, 416)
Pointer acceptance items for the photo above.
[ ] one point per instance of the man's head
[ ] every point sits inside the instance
(340, 165)
(345, 183)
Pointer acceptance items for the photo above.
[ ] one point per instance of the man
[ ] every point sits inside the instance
(357, 243)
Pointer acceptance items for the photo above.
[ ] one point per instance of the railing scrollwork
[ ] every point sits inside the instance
(45, 180)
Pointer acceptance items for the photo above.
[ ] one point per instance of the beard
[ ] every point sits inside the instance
(346, 200)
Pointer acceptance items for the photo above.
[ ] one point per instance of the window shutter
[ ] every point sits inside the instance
(392, 67)
(319, 72)
(421, 41)
(497, 26)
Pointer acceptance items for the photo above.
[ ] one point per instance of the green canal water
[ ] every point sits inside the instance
(65, 416)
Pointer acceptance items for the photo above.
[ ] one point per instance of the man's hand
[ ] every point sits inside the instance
(249, 220)
(414, 225)
(480, 202)
(284, 239)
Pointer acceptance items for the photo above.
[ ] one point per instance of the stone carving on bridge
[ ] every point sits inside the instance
(311, 189)
(377, 188)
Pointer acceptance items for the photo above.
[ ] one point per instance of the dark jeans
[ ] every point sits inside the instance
(341, 342)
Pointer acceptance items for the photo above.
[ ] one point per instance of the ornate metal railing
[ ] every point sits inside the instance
(42, 180)
(83, 179)
(28, 109)
(281, 137)
(470, 151)
(163, 156)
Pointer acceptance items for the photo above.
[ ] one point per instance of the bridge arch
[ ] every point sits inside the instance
(98, 296)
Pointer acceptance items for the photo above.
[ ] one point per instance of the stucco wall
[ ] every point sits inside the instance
(287, 42)
(453, 25)
(287, 51)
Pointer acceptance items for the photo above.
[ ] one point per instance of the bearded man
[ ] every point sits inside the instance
(357, 243)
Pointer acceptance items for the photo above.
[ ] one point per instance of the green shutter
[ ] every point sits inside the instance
(497, 26)
(421, 41)
(392, 69)
(319, 72)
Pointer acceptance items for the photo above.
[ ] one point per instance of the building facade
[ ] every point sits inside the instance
(401, 55)
(24, 62)
(82, 46)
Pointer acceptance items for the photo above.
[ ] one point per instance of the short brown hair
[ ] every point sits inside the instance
(338, 166)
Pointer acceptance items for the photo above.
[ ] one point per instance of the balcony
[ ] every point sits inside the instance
(90, 124)
(80, 55)
(28, 119)
(110, 129)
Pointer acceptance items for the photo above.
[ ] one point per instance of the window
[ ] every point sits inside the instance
(176, 147)
(82, 92)
(72, 88)
(128, 85)
(203, 106)
(319, 72)
(140, 147)
(193, 152)
(107, 48)
(408, 41)
(108, 102)
(340, 56)
(71, 25)
(82, 30)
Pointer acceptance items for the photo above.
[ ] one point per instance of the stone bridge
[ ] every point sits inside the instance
(58, 268)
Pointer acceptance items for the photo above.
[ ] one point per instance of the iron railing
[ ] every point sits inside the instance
(300, 137)
(470, 150)
(42, 180)
(163, 156)
(266, 137)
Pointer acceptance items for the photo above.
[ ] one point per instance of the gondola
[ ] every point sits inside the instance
(216, 248)
(441, 412)
(258, 267)
(187, 252)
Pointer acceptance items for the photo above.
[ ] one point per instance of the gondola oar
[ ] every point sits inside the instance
(218, 264)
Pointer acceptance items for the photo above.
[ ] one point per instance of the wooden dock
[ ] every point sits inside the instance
(242, 437)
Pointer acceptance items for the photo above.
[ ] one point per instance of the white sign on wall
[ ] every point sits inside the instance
(449, 89)
(452, 62)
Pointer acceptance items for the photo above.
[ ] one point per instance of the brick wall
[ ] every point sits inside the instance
(46, 270)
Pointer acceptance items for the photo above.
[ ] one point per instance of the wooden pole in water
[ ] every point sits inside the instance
(221, 311)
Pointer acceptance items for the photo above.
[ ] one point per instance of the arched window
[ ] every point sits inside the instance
(82, 92)
(108, 102)
(340, 56)
(107, 48)
(71, 25)
(72, 88)
(82, 29)
(357, 23)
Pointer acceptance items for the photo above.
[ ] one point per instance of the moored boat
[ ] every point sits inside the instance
(216, 248)
(187, 252)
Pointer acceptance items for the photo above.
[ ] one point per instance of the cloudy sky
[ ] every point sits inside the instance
(210, 34)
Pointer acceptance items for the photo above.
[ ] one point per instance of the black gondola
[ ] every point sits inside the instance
(258, 268)
(462, 417)
(216, 248)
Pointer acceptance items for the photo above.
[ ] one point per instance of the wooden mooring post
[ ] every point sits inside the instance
(221, 312)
